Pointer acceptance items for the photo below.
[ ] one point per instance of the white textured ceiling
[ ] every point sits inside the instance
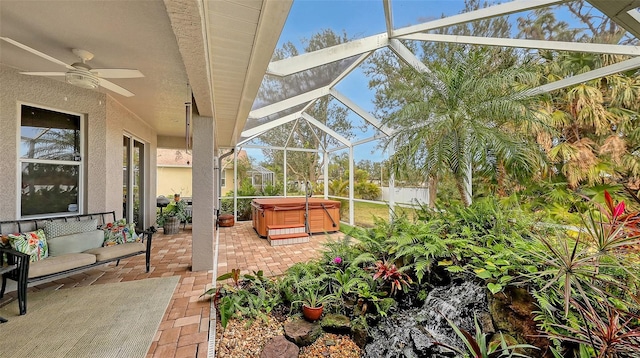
(220, 47)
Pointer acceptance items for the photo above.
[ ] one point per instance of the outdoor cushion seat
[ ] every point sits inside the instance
(112, 252)
(75, 243)
(53, 264)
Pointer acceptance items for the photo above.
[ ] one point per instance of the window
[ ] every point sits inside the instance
(50, 162)
(223, 179)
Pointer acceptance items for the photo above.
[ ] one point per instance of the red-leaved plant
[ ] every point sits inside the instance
(391, 275)
(610, 332)
(614, 232)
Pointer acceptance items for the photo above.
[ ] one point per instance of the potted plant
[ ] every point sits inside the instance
(313, 303)
(171, 216)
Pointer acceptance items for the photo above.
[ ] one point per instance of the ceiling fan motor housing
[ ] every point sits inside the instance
(81, 76)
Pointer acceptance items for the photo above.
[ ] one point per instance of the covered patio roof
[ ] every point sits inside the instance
(219, 48)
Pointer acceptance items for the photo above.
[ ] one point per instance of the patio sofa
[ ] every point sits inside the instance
(73, 243)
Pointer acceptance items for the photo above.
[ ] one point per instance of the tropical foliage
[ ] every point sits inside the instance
(582, 279)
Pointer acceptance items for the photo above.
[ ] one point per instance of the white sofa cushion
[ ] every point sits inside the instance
(75, 243)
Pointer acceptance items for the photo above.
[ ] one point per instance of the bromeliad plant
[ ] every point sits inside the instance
(391, 276)
(313, 297)
(613, 232)
(606, 332)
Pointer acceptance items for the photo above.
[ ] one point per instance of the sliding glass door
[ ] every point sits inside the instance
(133, 194)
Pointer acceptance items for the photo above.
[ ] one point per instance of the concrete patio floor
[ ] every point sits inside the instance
(184, 330)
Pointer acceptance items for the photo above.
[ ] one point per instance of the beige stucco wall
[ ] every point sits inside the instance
(106, 121)
(179, 179)
(173, 180)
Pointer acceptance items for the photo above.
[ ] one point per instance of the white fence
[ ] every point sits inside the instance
(406, 195)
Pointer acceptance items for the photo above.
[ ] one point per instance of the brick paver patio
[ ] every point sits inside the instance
(240, 247)
(184, 329)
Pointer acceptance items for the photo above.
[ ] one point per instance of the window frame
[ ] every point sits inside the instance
(20, 161)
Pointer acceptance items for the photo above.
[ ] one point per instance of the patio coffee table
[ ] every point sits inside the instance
(4, 270)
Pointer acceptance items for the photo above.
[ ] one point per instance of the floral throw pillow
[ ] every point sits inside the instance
(33, 243)
(120, 232)
(4, 241)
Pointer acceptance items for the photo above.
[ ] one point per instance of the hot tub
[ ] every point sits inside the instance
(324, 215)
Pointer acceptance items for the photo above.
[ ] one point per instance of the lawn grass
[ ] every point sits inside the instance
(364, 213)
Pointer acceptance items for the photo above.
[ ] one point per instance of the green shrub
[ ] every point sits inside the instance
(244, 205)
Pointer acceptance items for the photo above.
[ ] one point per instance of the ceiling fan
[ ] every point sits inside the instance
(80, 74)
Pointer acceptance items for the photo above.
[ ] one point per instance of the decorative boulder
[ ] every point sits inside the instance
(301, 332)
(336, 323)
(512, 313)
(360, 333)
(279, 347)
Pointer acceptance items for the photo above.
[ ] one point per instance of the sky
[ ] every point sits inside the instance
(360, 18)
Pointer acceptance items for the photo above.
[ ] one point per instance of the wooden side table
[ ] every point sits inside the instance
(4, 270)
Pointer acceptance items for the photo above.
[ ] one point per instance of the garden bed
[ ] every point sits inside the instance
(245, 339)
(450, 282)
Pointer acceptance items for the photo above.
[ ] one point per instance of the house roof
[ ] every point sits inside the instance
(227, 162)
(169, 157)
(173, 158)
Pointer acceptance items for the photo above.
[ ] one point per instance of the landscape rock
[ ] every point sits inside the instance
(359, 333)
(301, 332)
(486, 323)
(512, 313)
(336, 323)
(280, 347)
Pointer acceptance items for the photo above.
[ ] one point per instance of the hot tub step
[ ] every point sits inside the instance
(288, 239)
(285, 229)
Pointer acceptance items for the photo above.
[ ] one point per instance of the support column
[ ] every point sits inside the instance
(203, 183)
(284, 171)
(235, 183)
(392, 183)
(325, 174)
(351, 178)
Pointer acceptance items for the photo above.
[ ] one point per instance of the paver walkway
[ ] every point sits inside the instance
(240, 247)
(184, 329)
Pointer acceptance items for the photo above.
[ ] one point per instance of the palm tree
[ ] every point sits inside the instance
(464, 114)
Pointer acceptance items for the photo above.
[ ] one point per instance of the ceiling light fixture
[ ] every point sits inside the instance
(81, 76)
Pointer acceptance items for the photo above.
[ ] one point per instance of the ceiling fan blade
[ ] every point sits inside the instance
(43, 73)
(36, 52)
(117, 73)
(115, 88)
